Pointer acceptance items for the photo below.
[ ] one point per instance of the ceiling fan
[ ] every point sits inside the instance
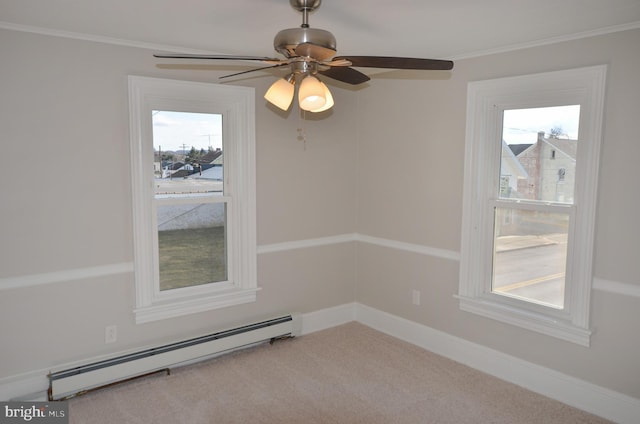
(312, 51)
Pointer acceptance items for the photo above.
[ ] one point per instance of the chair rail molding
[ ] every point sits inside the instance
(22, 281)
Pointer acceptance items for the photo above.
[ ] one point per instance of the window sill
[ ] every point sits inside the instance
(526, 319)
(176, 308)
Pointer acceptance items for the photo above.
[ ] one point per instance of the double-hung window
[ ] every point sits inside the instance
(193, 185)
(531, 166)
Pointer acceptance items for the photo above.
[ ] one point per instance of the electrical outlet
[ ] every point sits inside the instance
(110, 334)
(416, 297)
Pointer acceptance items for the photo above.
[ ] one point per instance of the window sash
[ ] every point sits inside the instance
(531, 303)
(161, 295)
(488, 291)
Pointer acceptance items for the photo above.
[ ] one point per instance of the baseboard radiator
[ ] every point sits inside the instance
(67, 383)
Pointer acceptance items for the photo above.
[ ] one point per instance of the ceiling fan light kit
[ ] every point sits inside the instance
(281, 93)
(311, 94)
(309, 52)
(328, 99)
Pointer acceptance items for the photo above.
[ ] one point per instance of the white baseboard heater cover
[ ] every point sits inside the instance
(67, 383)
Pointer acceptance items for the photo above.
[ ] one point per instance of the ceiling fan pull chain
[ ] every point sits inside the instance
(302, 134)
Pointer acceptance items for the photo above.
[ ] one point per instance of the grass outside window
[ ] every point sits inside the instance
(190, 257)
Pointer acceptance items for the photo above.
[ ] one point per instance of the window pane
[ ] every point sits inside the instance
(188, 151)
(530, 255)
(539, 148)
(192, 244)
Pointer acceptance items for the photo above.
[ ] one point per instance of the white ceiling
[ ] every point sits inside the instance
(442, 29)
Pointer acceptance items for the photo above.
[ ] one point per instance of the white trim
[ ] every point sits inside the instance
(548, 41)
(100, 39)
(304, 244)
(572, 391)
(616, 287)
(237, 106)
(564, 388)
(345, 238)
(486, 102)
(531, 321)
(327, 318)
(194, 305)
(410, 247)
(22, 281)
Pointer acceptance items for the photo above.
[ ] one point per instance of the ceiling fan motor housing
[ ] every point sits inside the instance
(301, 5)
(287, 40)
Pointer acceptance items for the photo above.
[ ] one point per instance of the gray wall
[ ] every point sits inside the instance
(66, 203)
(64, 116)
(418, 133)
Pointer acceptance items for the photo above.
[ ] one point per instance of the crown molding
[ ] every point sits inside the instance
(547, 41)
(99, 39)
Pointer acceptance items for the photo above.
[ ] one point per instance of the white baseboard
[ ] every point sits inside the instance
(327, 318)
(586, 396)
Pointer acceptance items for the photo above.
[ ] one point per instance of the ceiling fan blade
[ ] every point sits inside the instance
(216, 57)
(319, 53)
(398, 62)
(254, 69)
(345, 74)
(337, 62)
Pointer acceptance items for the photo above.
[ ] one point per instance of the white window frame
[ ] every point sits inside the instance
(237, 107)
(486, 102)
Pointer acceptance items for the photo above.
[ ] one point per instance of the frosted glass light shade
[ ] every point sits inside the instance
(311, 95)
(280, 94)
(329, 99)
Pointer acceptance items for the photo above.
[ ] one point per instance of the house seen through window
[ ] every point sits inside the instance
(531, 218)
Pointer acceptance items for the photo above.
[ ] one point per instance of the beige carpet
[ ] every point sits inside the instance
(347, 374)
